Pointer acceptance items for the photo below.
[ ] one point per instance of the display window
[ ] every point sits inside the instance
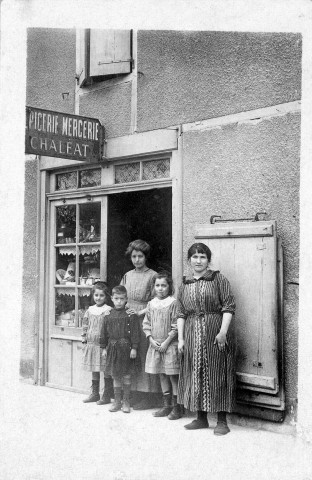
(75, 257)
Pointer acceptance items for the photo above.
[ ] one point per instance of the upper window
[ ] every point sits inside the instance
(78, 179)
(138, 171)
(103, 54)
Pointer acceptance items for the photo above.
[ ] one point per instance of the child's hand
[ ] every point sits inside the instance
(163, 347)
(104, 354)
(154, 344)
(133, 353)
(181, 346)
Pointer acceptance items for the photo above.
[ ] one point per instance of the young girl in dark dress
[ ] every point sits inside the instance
(120, 337)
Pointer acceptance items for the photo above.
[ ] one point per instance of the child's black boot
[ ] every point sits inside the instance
(108, 392)
(126, 399)
(166, 409)
(95, 394)
(117, 401)
(200, 422)
(176, 412)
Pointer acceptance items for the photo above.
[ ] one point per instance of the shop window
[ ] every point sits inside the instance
(103, 54)
(145, 170)
(78, 179)
(77, 260)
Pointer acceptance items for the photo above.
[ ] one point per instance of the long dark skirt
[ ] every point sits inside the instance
(207, 376)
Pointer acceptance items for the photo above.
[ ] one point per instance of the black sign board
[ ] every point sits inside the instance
(63, 135)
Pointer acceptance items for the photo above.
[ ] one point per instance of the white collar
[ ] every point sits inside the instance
(157, 303)
(95, 310)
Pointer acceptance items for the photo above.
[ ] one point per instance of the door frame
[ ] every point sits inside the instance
(45, 196)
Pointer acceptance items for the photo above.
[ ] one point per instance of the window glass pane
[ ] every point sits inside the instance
(84, 302)
(89, 265)
(156, 169)
(65, 307)
(90, 222)
(127, 173)
(89, 178)
(66, 224)
(89, 274)
(65, 286)
(66, 181)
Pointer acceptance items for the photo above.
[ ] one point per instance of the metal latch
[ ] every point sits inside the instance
(257, 364)
(217, 218)
(131, 60)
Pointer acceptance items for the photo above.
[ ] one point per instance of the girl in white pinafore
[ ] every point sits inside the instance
(160, 327)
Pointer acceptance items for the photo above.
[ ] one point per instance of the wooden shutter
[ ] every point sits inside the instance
(110, 52)
(246, 253)
(82, 56)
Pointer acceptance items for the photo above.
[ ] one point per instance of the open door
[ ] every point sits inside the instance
(144, 214)
(248, 254)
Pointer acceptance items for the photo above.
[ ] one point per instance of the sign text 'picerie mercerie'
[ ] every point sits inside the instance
(63, 135)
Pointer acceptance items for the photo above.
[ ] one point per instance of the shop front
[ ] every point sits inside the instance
(199, 147)
(92, 212)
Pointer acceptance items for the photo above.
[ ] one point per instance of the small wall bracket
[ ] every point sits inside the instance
(218, 218)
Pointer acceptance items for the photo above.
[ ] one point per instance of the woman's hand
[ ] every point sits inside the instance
(104, 353)
(154, 344)
(133, 353)
(181, 346)
(221, 341)
(131, 311)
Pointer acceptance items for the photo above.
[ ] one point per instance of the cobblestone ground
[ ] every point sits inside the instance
(51, 434)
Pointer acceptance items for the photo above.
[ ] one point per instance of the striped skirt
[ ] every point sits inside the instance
(207, 376)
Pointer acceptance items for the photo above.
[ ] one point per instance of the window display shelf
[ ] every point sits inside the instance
(89, 249)
(80, 244)
(84, 290)
(66, 289)
(68, 250)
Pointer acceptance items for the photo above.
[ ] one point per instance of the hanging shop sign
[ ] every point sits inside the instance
(63, 135)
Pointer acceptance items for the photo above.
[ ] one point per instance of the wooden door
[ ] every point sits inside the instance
(77, 250)
(246, 253)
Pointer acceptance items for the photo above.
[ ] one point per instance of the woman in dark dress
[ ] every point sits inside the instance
(205, 309)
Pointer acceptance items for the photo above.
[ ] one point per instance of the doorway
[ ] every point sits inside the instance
(145, 214)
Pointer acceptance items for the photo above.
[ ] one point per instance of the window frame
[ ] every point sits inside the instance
(86, 54)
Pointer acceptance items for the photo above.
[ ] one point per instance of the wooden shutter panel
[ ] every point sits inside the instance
(110, 52)
(82, 56)
(246, 253)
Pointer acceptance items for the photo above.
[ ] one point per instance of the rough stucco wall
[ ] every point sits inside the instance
(188, 76)
(28, 318)
(238, 170)
(112, 106)
(51, 66)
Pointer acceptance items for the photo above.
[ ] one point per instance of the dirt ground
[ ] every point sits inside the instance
(51, 434)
